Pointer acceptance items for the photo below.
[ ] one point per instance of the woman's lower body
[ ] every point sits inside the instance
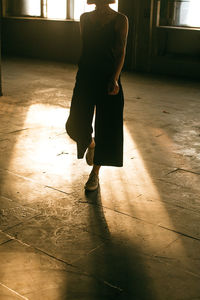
(90, 97)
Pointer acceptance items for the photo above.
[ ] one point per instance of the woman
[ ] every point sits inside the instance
(98, 87)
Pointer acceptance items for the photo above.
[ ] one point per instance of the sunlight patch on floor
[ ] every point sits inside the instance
(131, 190)
(44, 148)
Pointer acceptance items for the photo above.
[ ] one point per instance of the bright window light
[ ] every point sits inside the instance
(189, 13)
(193, 17)
(81, 6)
(32, 8)
(56, 9)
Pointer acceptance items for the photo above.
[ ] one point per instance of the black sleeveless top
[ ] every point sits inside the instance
(98, 42)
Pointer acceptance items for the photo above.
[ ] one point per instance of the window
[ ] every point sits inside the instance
(180, 13)
(22, 7)
(53, 9)
(32, 9)
(81, 6)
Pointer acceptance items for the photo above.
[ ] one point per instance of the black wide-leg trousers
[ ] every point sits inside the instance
(90, 96)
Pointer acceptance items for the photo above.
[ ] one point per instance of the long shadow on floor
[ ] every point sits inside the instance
(116, 266)
(157, 136)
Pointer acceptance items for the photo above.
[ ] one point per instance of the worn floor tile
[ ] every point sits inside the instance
(34, 194)
(140, 259)
(65, 234)
(3, 238)
(138, 236)
(8, 294)
(34, 275)
(12, 213)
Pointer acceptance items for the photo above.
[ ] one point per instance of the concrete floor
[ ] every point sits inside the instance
(138, 236)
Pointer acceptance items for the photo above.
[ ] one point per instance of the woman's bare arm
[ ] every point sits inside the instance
(119, 52)
(120, 49)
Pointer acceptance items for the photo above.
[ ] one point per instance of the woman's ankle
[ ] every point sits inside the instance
(96, 169)
(92, 144)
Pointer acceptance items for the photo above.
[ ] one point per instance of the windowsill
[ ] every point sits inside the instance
(179, 28)
(40, 19)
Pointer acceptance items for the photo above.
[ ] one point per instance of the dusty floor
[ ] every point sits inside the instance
(138, 236)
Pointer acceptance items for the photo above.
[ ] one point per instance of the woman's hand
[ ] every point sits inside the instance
(113, 87)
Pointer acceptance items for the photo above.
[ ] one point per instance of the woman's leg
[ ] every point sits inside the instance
(90, 153)
(109, 131)
(92, 145)
(93, 180)
(96, 169)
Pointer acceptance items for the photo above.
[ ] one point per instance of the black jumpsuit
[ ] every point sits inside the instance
(96, 66)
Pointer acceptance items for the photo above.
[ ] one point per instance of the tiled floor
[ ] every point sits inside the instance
(138, 236)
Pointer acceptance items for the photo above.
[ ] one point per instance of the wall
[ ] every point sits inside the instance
(57, 40)
(0, 46)
(160, 50)
(149, 49)
(175, 51)
(139, 14)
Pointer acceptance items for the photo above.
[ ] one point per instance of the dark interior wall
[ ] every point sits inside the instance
(175, 51)
(149, 48)
(60, 40)
(139, 14)
(184, 42)
(162, 50)
(57, 40)
(0, 45)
